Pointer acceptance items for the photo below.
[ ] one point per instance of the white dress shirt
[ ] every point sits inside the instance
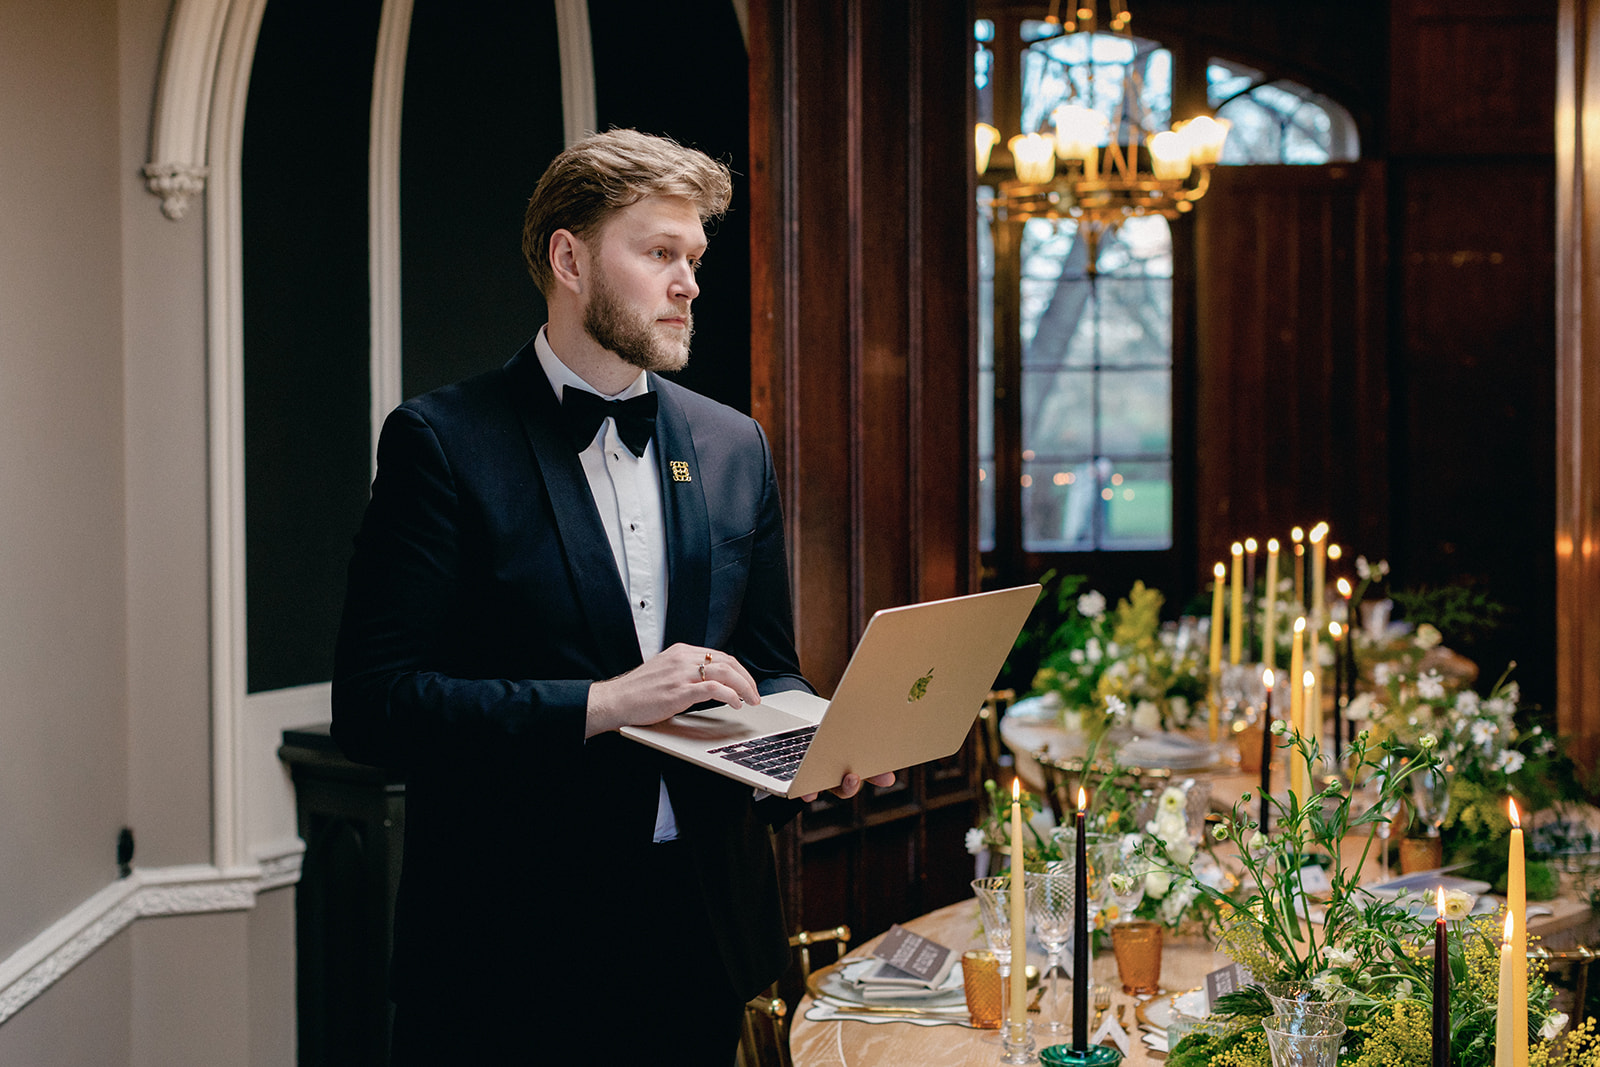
(627, 492)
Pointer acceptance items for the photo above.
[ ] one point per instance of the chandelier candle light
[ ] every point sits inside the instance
(1096, 168)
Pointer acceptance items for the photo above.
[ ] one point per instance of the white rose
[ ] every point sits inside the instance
(975, 841)
(1359, 709)
(1092, 604)
(1156, 884)
(1554, 1023)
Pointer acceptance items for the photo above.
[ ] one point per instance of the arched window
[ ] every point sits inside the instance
(1077, 447)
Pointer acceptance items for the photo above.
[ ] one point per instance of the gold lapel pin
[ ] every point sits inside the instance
(680, 470)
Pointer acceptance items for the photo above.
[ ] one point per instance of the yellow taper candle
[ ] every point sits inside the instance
(1319, 569)
(1313, 717)
(1236, 605)
(1298, 535)
(1019, 921)
(1297, 660)
(1504, 1021)
(1269, 622)
(1517, 905)
(1215, 664)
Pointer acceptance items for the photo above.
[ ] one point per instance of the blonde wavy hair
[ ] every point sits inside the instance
(602, 174)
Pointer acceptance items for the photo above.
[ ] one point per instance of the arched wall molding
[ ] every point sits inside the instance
(181, 121)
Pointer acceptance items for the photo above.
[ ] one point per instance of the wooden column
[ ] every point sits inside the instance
(1578, 377)
(862, 372)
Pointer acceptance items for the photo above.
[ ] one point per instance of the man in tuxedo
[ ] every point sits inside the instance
(553, 550)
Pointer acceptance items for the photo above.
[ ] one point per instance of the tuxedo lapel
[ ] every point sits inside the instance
(688, 530)
(596, 583)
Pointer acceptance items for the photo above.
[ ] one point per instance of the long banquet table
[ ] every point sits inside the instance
(855, 1043)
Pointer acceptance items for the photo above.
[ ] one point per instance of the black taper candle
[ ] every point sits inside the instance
(1441, 991)
(1080, 937)
(1339, 698)
(1267, 681)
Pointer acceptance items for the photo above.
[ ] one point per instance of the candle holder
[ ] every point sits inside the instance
(1093, 1056)
(1019, 1046)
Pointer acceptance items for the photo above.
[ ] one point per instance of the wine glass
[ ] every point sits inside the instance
(1050, 899)
(1430, 789)
(994, 906)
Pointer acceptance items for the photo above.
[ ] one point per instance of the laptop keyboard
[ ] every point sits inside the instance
(775, 755)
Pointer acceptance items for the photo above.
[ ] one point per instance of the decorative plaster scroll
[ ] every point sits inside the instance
(177, 169)
(175, 183)
(146, 892)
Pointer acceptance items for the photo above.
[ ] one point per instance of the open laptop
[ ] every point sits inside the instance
(910, 693)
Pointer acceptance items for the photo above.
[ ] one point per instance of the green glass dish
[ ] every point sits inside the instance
(1093, 1056)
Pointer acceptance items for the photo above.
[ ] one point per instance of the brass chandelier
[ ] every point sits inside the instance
(1101, 169)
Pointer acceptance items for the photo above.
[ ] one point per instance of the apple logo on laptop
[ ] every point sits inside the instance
(919, 688)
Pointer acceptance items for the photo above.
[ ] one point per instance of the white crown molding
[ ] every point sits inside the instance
(180, 124)
(147, 892)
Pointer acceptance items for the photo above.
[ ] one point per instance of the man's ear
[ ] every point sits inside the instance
(569, 261)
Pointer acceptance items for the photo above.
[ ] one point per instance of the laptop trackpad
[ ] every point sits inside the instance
(725, 723)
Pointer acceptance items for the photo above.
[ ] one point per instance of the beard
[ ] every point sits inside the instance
(632, 335)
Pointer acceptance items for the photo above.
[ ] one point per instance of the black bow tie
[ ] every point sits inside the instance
(585, 411)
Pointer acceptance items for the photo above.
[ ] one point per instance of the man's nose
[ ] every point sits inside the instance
(684, 285)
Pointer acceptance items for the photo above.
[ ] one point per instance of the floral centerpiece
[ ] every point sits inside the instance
(1373, 955)
(1094, 652)
(1484, 751)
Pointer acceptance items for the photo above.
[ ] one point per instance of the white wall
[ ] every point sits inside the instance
(105, 696)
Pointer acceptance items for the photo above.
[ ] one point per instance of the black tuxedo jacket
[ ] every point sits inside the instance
(483, 600)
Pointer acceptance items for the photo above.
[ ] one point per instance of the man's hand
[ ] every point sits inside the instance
(852, 785)
(671, 681)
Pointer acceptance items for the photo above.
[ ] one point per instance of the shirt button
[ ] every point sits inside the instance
(632, 526)
(641, 605)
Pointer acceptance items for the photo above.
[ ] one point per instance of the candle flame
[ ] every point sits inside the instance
(1249, 544)
(1237, 549)
(1516, 823)
(1336, 630)
(1297, 535)
(1300, 625)
(1267, 678)
(1272, 544)
(1439, 905)
(1016, 788)
(1219, 570)
(1334, 552)
(1318, 532)
(1308, 679)
(1344, 588)
(1083, 799)
(1510, 922)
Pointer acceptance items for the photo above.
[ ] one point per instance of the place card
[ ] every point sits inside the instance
(1314, 879)
(909, 957)
(1220, 983)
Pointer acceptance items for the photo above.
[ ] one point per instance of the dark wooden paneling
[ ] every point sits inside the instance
(1476, 322)
(1468, 77)
(1292, 411)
